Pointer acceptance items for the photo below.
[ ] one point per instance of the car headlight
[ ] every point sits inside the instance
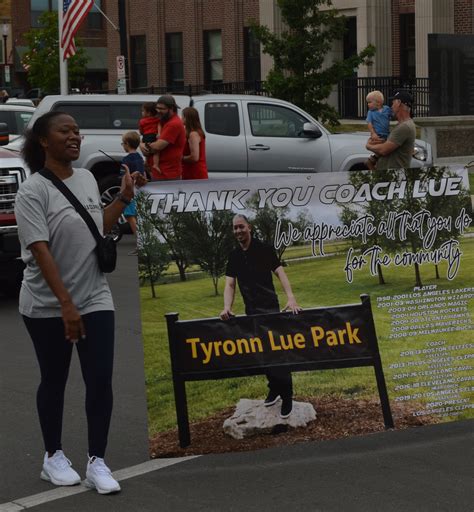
(420, 153)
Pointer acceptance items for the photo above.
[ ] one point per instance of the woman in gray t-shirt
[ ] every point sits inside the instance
(65, 299)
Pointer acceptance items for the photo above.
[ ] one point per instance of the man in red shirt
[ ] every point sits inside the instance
(171, 141)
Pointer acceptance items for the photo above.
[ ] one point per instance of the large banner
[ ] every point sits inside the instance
(357, 285)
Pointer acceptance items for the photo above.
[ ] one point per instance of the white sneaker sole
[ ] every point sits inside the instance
(91, 485)
(273, 402)
(45, 476)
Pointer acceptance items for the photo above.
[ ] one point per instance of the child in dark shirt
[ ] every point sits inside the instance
(148, 127)
(134, 161)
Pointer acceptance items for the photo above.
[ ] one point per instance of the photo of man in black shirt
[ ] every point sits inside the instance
(251, 265)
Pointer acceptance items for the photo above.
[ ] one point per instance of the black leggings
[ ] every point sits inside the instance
(96, 353)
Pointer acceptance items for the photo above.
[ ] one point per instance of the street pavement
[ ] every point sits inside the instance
(422, 469)
(21, 447)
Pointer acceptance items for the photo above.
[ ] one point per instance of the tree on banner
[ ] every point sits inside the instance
(377, 210)
(209, 239)
(153, 257)
(423, 221)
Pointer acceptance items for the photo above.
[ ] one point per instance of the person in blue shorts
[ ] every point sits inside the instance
(378, 121)
(134, 161)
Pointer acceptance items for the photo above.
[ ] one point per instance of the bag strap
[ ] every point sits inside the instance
(48, 174)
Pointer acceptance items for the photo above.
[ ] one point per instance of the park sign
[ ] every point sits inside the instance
(402, 237)
(314, 339)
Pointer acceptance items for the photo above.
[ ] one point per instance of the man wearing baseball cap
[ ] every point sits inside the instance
(397, 150)
(171, 141)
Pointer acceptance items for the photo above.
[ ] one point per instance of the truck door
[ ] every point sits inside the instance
(275, 140)
(226, 149)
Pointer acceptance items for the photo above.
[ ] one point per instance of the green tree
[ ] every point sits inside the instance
(377, 211)
(209, 239)
(153, 257)
(173, 229)
(299, 73)
(41, 61)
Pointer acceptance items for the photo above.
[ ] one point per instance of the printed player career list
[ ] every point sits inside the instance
(436, 374)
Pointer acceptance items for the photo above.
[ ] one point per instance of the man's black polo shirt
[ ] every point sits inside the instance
(253, 270)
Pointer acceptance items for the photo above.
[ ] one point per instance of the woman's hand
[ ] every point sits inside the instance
(139, 179)
(127, 187)
(73, 325)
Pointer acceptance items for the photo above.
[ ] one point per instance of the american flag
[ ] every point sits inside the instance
(74, 12)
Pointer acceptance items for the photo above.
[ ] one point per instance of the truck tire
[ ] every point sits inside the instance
(109, 187)
(13, 284)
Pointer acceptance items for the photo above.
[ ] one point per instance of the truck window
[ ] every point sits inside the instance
(222, 119)
(103, 116)
(275, 121)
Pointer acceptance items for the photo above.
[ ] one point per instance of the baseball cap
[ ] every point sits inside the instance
(168, 100)
(404, 96)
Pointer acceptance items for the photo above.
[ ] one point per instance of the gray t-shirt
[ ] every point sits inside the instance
(44, 214)
(404, 136)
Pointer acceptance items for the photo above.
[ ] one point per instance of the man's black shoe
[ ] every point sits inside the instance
(286, 407)
(272, 398)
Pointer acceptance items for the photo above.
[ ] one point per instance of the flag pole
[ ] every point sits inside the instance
(63, 75)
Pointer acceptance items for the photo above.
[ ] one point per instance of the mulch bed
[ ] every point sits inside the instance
(336, 417)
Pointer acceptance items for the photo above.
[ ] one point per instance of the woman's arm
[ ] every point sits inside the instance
(194, 140)
(73, 326)
(113, 211)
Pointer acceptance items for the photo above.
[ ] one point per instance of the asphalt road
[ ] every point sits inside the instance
(21, 447)
(426, 469)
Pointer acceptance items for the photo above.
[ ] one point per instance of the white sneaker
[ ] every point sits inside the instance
(99, 476)
(57, 469)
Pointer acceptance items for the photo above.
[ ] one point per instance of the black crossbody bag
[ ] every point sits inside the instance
(105, 249)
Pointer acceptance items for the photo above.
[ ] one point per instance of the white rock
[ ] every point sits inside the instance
(251, 417)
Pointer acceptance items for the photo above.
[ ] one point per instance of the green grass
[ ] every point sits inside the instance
(315, 282)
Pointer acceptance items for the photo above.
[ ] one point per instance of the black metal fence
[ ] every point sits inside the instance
(353, 91)
(254, 87)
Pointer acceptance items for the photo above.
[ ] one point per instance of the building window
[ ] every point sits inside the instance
(38, 7)
(94, 18)
(407, 46)
(138, 69)
(213, 72)
(252, 70)
(174, 61)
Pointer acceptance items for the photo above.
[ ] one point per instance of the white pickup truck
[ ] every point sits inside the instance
(245, 136)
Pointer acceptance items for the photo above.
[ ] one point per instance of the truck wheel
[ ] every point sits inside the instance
(358, 167)
(109, 188)
(13, 284)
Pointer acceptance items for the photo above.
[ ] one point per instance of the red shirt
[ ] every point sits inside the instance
(148, 125)
(172, 131)
(195, 170)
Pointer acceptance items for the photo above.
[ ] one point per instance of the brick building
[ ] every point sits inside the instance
(175, 43)
(6, 43)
